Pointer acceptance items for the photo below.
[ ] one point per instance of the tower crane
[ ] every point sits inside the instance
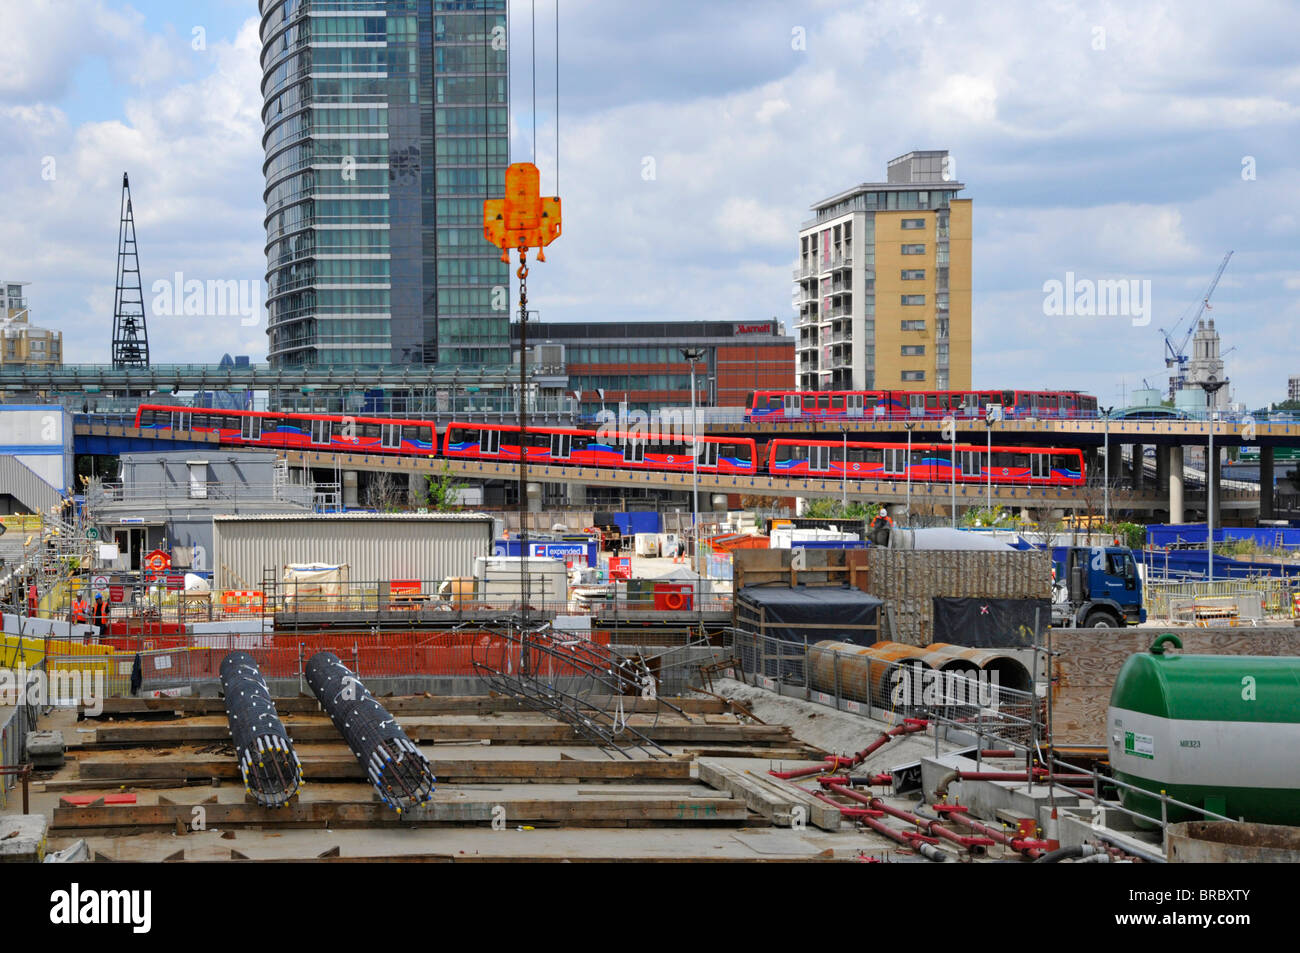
(1176, 354)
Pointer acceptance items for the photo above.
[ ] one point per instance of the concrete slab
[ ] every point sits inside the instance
(23, 838)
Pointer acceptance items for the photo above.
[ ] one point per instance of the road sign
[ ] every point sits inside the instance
(92, 532)
(176, 582)
(117, 593)
(99, 582)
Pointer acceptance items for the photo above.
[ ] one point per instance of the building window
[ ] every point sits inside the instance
(913, 249)
(913, 375)
(914, 222)
(913, 299)
(913, 325)
(913, 350)
(913, 274)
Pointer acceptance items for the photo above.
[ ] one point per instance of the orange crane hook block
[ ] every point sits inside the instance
(523, 219)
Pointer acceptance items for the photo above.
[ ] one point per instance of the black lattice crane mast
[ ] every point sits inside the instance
(130, 336)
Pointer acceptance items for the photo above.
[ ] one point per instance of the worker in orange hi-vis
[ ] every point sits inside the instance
(33, 600)
(80, 607)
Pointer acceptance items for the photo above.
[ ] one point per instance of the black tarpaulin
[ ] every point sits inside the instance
(814, 613)
(989, 623)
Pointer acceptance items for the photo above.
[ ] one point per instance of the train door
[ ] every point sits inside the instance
(561, 445)
(390, 436)
(895, 463)
(180, 420)
(634, 451)
(793, 405)
(708, 455)
(251, 428)
(970, 462)
(1040, 466)
(970, 405)
(819, 458)
(853, 405)
(489, 442)
(320, 431)
(916, 405)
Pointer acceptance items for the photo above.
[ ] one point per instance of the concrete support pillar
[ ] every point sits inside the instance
(1266, 483)
(1214, 478)
(1176, 484)
(1137, 465)
(1114, 465)
(534, 492)
(577, 494)
(1162, 469)
(417, 489)
(351, 500)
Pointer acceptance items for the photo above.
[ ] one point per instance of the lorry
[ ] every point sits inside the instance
(1097, 587)
(1092, 587)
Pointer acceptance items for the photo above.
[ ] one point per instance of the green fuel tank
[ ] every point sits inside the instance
(1221, 732)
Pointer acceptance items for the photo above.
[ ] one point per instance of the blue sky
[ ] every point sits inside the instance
(1104, 139)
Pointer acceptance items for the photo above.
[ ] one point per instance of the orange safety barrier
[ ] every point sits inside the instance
(243, 601)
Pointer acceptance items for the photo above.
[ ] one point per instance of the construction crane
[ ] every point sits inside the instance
(1176, 354)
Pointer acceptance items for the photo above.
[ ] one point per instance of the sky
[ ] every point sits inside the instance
(1135, 141)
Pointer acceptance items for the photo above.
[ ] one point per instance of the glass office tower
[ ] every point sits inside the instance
(386, 125)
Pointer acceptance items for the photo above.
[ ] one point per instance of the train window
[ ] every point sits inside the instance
(752, 399)
(823, 401)
(320, 431)
(634, 451)
(738, 452)
(561, 443)
(774, 401)
(837, 402)
(489, 441)
(1008, 398)
(251, 428)
(784, 452)
(931, 401)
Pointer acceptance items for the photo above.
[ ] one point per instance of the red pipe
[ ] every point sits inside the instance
(933, 828)
(1028, 846)
(835, 762)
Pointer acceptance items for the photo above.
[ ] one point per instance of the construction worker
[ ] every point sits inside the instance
(33, 600)
(79, 609)
(99, 615)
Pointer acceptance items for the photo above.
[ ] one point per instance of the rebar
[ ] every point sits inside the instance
(396, 767)
(268, 763)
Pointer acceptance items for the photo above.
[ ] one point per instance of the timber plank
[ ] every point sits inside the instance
(679, 810)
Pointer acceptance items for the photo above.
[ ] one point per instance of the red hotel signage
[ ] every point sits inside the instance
(754, 329)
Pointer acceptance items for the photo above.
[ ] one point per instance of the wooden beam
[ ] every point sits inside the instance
(343, 766)
(784, 804)
(337, 814)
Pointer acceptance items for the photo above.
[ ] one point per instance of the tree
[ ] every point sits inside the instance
(383, 494)
(443, 490)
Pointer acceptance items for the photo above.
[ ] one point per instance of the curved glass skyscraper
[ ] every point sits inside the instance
(385, 129)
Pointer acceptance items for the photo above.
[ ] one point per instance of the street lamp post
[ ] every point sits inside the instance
(907, 469)
(693, 354)
(1211, 386)
(952, 474)
(844, 472)
(1105, 475)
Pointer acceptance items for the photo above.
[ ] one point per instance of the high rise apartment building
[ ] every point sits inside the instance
(883, 283)
(386, 126)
